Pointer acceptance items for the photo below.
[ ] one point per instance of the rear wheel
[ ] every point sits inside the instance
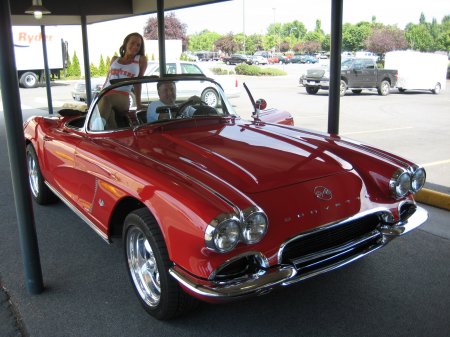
(210, 97)
(29, 80)
(39, 190)
(383, 88)
(312, 90)
(437, 89)
(148, 266)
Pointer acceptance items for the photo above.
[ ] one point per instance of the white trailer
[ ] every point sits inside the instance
(418, 71)
(29, 54)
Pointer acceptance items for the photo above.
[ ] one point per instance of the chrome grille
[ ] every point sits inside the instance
(331, 244)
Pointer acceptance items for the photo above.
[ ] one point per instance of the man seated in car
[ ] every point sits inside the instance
(167, 92)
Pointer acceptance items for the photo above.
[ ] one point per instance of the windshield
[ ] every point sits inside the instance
(173, 99)
(346, 62)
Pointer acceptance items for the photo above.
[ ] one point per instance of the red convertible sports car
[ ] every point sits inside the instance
(214, 207)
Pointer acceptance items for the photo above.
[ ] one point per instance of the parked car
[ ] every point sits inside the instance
(257, 59)
(356, 74)
(79, 90)
(278, 58)
(308, 59)
(213, 207)
(262, 53)
(229, 83)
(237, 59)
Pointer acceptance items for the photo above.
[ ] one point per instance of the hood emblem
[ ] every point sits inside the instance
(323, 193)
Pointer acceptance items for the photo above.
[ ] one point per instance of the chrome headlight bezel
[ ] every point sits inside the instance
(400, 183)
(228, 229)
(254, 232)
(418, 178)
(225, 227)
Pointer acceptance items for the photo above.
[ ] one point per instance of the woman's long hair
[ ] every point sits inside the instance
(122, 48)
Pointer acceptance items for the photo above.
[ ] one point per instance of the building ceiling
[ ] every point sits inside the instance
(71, 12)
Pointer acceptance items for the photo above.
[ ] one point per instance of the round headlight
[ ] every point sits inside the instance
(255, 225)
(418, 179)
(400, 183)
(226, 236)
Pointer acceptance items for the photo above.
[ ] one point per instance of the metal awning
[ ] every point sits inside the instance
(71, 12)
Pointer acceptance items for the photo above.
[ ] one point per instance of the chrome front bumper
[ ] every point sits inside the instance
(281, 275)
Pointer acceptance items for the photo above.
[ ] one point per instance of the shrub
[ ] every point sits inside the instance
(221, 71)
(252, 70)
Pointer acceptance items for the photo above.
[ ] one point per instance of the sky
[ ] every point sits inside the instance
(254, 16)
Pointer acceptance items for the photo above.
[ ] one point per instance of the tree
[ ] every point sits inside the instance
(73, 68)
(102, 68)
(419, 37)
(203, 41)
(253, 43)
(310, 47)
(380, 41)
(226, 44)
(173, 29)
(353, 36)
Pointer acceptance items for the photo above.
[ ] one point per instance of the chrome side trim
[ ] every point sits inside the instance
(77, 212)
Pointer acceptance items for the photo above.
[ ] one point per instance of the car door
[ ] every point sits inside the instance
(356, 75)
(369, 73)
(59, 145)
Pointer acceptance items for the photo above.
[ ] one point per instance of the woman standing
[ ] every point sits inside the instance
(132, 62)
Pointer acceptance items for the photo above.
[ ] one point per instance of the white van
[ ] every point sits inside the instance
(418, 71)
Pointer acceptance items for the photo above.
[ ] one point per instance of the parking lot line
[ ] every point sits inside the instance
(375, 131)
(435, 163)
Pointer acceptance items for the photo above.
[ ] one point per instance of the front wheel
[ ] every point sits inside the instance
(437, 89)
(343, 88)
(148, 266)
(383, 88)
(312, 90)
(39, 190)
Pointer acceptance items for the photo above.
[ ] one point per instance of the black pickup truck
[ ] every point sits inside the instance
(356, 74)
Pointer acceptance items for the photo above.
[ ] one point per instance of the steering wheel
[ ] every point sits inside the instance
(184, 107)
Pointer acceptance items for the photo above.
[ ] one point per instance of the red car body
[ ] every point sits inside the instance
(327, 200)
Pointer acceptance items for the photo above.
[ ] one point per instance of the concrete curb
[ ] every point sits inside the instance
(434, 198)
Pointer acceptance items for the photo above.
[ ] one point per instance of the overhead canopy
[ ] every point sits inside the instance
(71, 12)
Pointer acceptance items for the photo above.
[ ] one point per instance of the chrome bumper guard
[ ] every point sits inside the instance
(281, 275)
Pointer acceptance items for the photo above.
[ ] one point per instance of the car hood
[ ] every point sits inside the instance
(251, 157)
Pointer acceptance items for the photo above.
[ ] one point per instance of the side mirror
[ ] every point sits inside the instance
(261, 104)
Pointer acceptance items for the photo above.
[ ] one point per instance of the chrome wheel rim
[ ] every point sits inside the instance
(143, 268)
(33, 176)
(343, 88)
(385, 88)
(210, 98)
